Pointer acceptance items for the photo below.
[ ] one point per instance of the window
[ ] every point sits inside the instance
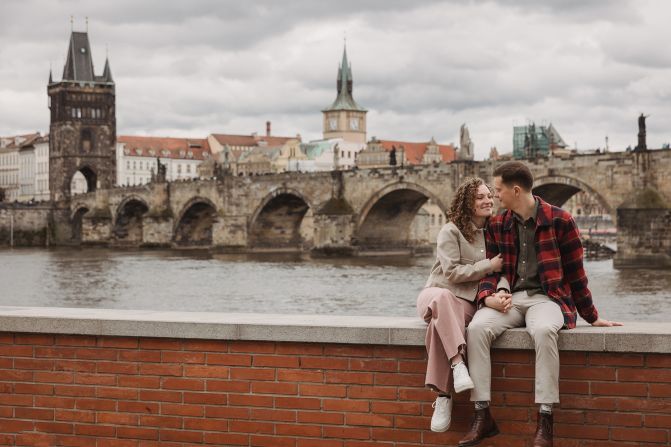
(134, 166)
(188, 169)
(127, 164)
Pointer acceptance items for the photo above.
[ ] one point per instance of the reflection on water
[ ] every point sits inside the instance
(201, 281)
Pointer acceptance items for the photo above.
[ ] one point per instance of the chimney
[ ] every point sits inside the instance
(267, 128)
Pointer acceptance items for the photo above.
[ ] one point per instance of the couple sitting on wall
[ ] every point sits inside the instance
(521, 268)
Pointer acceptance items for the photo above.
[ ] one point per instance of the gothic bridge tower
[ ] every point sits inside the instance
(345, 118)
(83, 123)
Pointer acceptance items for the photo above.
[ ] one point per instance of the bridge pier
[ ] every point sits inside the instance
(643, 236)
(334, 226)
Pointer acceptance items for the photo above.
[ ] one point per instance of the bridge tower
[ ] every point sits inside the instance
(83, 123)
(345, 118)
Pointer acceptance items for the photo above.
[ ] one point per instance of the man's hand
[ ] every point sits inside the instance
(600, 322)
(501, 301)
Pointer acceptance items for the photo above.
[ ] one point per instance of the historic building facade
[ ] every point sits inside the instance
(83, 123)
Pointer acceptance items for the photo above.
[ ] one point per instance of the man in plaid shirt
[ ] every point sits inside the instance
(542, 286)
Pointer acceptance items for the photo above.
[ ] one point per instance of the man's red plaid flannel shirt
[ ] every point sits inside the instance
(560, 255)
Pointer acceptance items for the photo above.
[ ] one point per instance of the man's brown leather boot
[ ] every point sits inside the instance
(483, 427)
(543, 436)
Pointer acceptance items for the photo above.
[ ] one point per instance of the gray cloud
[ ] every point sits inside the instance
(420, 68)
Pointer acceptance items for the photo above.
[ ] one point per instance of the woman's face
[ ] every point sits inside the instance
(484, 202)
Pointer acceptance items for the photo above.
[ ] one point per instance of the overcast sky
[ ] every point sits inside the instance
(421, 68)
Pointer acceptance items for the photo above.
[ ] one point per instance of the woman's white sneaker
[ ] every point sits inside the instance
(462, 380)
(442, 414)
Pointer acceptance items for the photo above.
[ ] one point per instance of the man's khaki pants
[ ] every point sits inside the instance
(543, 319)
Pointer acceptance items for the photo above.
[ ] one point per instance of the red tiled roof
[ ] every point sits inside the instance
(175, 147)
(250, 140)
(415, 151)
(28, 139)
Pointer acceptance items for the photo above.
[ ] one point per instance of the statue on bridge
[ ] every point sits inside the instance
(642, 145)
(392, 156)
(466, 146)
(161, 171)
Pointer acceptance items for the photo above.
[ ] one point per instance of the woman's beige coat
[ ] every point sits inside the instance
(459, 264)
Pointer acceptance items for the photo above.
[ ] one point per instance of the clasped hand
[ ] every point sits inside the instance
(501, 301)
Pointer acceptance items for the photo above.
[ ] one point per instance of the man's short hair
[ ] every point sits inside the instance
(515, 173)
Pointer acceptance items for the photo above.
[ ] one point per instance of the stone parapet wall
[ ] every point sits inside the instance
(24, 225)
(85, 377)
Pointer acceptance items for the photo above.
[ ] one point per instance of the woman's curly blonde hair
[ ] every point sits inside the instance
(461, 209)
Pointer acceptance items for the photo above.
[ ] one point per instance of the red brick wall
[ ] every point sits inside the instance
(139, 392)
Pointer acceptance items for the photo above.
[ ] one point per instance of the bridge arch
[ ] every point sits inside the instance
(385, 219)
(282, 220)
(83, 180)
(128, 220)
(194, 226)
(558, 189)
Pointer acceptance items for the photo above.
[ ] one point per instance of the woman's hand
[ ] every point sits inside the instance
(497, 263)
(501, 301)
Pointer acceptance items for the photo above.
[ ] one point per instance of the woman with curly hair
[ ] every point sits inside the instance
(447, 301)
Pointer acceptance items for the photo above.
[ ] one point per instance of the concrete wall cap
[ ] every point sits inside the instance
(401, 331)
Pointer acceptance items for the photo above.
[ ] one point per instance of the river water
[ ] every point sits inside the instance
(201, 281)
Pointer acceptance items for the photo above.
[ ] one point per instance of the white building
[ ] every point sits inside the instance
(10, 163)
(136, 158)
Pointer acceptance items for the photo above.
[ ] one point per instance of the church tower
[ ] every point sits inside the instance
(344, 118)
(82, 132)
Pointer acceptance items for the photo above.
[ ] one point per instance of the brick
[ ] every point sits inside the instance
(226, 439)
(138, 407)
(302, 442)
(75, 340)
(324, 363)
(573, 358)
(396, 408)
(359, 378)
(295, 375)
(525, 385)
(304, 430)
(271, 441)
(117, 368)
(250, 400)
(96, 354)
(119, 342)
(644, 405)
(614, 419)
(346, 405)
(227, 412)
(16, 376)
(74, 390)
(323, 390)
(174, 383)
(42, 414)
(206, 345)
(387, 434)
(265, 414)
(229, 359)
(234, 386)
(33, 388)
(116, 443)
(95, 379)
(643, 375)
(257, 347)
(294, 348)
(53, 352)
(182, 410)
(639, 434)
(412, 422)
(369, 420)
(53, 377)
(412, 366)
(54, 427)
(205, 398)
(252, 374)
(580, 431)
(374, 365)
(140, 356)
(117, 418)
(52, 402)
(658, 420)
(319, 417)
(519, 371)
(611, 359)
(205, 424)
(251, 427)
(154, 369)
(657, 361)
(139, 382)
(95, 404)
(619, 389)
(181, 435)
(182, 357)
(161, 421)
(34, 364)
(301, 403)
(282, 388)
(161, 343)
(137, 433)
(346, 432)
(581, 373)
(414, 380)
(221, 372)
(348, 351)
(372, 392)
(160, 396)
(84, 366)
(399, 352)
(573, 387)
(275, 361)
(33, 339)
(511, 356)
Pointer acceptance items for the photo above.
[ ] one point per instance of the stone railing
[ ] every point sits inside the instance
(76, 377)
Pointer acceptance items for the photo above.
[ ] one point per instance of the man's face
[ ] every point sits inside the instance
(506, 194)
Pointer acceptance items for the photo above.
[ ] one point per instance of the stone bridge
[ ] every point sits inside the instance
(363, 210)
